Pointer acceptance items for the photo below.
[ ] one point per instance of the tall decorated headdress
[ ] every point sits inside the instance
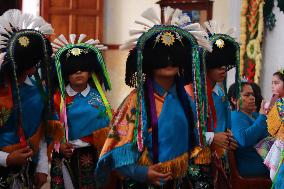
(23, 45)
(226, 49)
(79, 54)
(176, 42)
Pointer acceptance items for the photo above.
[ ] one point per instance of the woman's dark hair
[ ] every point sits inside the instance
(232, 93)
(257, 94)
(280, 75)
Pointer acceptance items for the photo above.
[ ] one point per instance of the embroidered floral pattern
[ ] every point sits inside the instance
(86, 160)
(95, 100)
(57, 180)
(56, 172)
(86, 167)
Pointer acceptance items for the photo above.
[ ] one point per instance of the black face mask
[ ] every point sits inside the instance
(72, 68)
(165, 62)
(84, 62)
(157, 58)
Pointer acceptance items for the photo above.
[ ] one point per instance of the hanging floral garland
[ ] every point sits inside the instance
(254, 14)
(252, 26)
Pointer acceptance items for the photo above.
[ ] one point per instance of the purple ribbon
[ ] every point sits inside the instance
(154, 120)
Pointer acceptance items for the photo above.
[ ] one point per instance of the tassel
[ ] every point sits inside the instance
(204, 43)
(13, 16)
(3, 38)
(81, 38)
(59, 42)
(198, 34)
(175, 18)
(63, 39)
(103, 48)
(72, 38)
(127, 46)
(5, 26)
(55, 46)
(135, 32)
(3, 43)
(47, 29)
(92, 42)
(231, 31)
(37, 22)
(150, 14)
(26, 20)
(195, 26)
(2, 46)
(168, 13)
(99, 46)
(142, 23)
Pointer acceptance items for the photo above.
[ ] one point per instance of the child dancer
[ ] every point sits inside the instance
(82, 111)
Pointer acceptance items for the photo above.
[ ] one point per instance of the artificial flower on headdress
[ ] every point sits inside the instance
(79, 54)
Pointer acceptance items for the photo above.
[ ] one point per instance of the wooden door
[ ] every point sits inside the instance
(74, 16)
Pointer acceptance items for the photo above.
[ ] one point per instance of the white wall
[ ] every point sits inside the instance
(120, 16)
(273, 53)
(221, 12)
(31, 6)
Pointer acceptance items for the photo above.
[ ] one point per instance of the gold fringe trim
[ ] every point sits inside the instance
(202, 156)
(99, 138)
(144, 159)
(275, 124)
(178, 166)
(33, 142)
(195, 152)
